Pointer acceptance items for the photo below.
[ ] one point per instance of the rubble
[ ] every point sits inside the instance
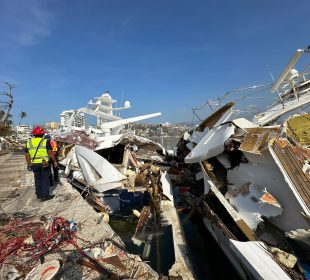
(87, 231)
(77, 138)
(284, 258)
(250, 178)
(121, 264)
(10, 143)
(69, 205)
(112, 171)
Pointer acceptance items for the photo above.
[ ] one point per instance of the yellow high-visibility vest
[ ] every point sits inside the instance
(41, 154)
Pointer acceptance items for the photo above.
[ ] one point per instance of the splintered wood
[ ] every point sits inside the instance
(292, 160)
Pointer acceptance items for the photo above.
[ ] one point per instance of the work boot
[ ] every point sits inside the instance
(48, 198)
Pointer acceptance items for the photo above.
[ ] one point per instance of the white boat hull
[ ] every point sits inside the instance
(250, 259)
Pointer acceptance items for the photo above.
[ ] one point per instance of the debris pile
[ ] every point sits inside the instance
(249, 183)
(120, 264)
(77, 138)
(24, 243)
(112, 171)
(9, 143)
(63, 229)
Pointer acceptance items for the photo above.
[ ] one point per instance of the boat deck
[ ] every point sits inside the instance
(292, 159)
(257, 138)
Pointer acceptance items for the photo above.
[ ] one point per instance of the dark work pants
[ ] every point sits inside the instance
(41, 180)
(54, 175)
(55, 171)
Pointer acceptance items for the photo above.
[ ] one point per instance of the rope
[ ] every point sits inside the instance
(30, 239)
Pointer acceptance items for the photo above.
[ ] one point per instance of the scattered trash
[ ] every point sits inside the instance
(136, 213)
(45, 271)
(284, 258)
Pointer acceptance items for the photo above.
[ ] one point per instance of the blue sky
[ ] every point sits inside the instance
(164, 55)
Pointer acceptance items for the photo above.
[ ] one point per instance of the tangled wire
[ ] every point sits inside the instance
(27, 240)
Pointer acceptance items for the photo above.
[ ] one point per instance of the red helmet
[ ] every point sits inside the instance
(38, 131)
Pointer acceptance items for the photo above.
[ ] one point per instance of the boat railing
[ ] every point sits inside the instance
(249, 100)
(256, 99)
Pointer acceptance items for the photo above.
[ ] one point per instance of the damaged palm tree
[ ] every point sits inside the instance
(6, 106)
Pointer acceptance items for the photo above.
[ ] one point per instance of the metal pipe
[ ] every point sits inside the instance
(147, 248)
(287, 69)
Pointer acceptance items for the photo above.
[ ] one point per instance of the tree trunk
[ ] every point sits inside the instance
(8, 109)
(9, 104)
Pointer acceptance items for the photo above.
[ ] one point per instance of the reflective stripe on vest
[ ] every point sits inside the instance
(41, 154)
(54, 146)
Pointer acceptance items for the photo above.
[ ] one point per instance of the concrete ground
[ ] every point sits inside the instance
(17, 196)
(12, 166)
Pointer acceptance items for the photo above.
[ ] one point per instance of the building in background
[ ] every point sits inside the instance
(79, 120)
(52, 125)
(64, 117)
(24, 129)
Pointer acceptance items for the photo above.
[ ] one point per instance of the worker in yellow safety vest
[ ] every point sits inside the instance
(38, 153)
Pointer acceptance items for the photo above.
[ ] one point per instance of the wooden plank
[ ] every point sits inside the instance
(293, 167)
(292, 172)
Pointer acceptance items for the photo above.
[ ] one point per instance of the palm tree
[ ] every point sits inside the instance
(8, 118)
(8, 104)
(5, 128)
(22, 115)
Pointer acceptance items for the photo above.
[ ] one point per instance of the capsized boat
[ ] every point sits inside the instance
(253, 180)
(109, 173)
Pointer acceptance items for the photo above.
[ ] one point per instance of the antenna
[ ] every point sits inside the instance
(280, 98)
(119, 113)
(270, 72)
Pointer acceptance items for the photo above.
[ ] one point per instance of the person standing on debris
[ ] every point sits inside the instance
(55, 150)
(38, 151)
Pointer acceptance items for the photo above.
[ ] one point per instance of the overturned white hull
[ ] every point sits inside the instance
(213, 142)
(97, 171)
